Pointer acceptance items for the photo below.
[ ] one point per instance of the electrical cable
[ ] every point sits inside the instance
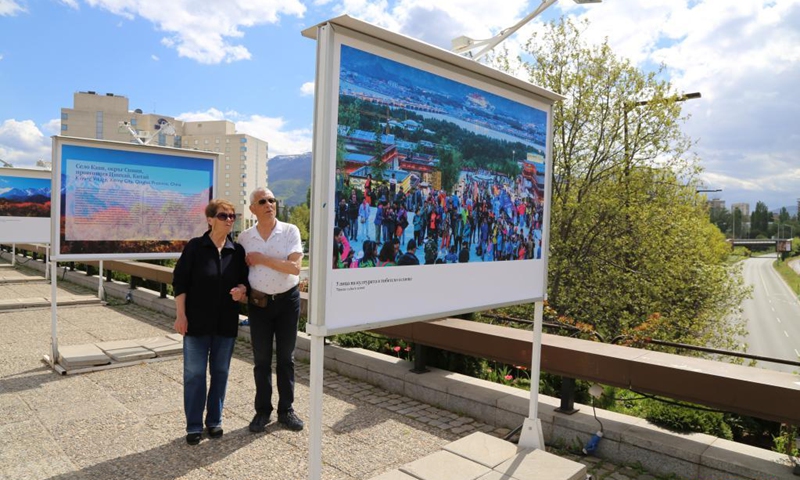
(594, 410)
(677, 404)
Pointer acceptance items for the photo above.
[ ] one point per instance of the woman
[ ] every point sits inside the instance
(370, 259)
(209, 281)
(387, 256)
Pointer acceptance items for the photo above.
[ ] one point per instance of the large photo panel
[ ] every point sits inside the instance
(438, 191)
(126, 201)
(25, 205)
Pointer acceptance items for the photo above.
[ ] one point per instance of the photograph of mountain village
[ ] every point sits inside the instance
(432, 171)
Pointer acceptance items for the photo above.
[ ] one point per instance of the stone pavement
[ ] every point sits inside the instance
(127, 423)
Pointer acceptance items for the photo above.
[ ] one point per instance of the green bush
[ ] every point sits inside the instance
(686, 419)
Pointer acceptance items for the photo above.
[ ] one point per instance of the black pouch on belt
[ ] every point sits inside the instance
(259, 299)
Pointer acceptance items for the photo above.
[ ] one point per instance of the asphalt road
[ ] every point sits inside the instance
(773, 315)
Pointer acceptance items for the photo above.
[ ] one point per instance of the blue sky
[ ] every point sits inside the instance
(245, 60)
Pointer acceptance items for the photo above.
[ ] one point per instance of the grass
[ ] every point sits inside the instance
(790, 276)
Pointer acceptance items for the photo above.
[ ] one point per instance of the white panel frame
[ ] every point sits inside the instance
(26, 229)
(60, 141)
(480, 286)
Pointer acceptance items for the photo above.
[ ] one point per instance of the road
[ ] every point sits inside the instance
(772, 315)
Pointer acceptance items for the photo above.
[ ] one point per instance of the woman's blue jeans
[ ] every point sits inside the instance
(198, 352)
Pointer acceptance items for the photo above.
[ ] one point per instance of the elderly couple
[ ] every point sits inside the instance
(211, 277)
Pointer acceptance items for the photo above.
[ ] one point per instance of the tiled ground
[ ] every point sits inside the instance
(127, 423)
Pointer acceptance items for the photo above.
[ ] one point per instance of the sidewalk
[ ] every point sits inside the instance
(128, 423)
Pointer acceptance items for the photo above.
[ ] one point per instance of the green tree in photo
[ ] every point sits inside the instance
(449, 166)
(632, 248)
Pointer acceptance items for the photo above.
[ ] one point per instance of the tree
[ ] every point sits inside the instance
(300, 215)
(632, 249)
(759, 220)
(377, 167)
(784, 216)
(722, 218)
(450, 167)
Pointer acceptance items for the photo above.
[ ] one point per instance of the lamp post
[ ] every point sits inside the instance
(465, 45)
(628, 106)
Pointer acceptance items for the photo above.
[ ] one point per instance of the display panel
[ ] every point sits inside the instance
(25, 205)
(129, 201)
(420, 150)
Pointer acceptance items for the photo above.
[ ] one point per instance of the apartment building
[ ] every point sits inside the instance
(243, 158)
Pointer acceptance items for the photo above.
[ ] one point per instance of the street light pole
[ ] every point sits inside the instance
(465, 45)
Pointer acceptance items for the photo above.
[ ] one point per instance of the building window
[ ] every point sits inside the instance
(216, 140)
(162, 139)
(133, 122)
(227, 167)
(227, 184)
(242, 149)
(98, 130)
(243, 157)
(205, 142)
(63, 127)
(227, 193)
(244, 184)
(64, 116)
(227, 175)
(195, 142)
(177, 141)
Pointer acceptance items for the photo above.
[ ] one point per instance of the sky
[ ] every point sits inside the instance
(246, 61)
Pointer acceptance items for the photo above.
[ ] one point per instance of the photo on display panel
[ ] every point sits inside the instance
(423, 161)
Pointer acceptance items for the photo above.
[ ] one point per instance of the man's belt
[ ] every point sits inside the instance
(261, 299)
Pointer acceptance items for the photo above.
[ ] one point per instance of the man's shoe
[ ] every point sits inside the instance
(193, 438)
(290, 421)
(259, 422)
(215, 432)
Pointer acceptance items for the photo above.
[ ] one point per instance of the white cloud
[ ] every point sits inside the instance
(155, 57)
(1, 56)
(204, 30)
(22, 143)
(73, 4)
(10, 8)
(307, 89)
(275, 130)
(441, 22)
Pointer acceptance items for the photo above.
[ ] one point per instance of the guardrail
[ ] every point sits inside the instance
(756, 392)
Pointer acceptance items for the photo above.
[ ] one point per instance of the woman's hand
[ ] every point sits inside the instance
(238, 292)
(181, 324)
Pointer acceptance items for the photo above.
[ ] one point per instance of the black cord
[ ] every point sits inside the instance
(677, 404)
(594, 410)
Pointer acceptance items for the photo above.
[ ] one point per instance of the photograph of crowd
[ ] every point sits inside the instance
(430, 170)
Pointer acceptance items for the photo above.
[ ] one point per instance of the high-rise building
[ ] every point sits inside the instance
(744, 208)
(716, 204)
(242, 161)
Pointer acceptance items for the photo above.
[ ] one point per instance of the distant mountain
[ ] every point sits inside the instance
(290, 177)
(34, 195)
(791, 209)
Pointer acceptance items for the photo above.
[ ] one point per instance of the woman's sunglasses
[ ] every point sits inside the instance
(225, 216)
(265, 200)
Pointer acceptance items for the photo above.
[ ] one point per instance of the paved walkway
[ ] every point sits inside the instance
(128, 423)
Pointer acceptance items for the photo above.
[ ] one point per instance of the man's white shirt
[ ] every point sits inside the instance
(282, 242)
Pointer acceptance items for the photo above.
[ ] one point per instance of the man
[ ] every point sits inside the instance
(410, 257)
(274, 255)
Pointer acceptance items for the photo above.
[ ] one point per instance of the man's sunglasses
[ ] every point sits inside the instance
(225, 216)
(265, 200)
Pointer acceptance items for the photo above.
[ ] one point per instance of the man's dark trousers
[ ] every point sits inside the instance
(279, 321)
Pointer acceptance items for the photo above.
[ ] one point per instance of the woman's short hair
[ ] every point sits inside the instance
(214, 206)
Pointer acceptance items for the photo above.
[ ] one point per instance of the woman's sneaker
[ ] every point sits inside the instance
(193, 438)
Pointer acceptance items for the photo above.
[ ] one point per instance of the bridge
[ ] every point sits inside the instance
(757, 242)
